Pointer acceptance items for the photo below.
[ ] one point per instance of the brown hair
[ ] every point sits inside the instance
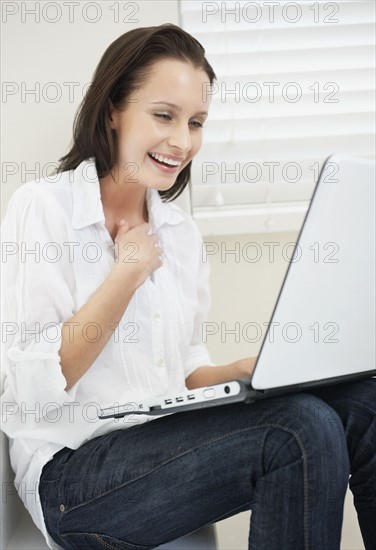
(120, 71)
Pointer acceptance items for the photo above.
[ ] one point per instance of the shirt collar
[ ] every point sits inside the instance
(88, 207)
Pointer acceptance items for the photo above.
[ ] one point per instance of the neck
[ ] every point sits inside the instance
(123, 201)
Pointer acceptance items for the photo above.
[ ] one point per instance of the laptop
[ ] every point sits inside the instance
(322, 329)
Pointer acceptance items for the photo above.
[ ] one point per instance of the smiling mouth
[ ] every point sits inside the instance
(163, 161)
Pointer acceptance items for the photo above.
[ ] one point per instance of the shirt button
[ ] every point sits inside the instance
(160, 363)
(157, 317)
(62, 508)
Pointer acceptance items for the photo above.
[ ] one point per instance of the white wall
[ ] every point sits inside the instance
(54, 57)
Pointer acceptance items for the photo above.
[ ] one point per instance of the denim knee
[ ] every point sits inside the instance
(311, 430)
(305, 470)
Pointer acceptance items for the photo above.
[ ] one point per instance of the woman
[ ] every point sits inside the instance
(125, 296)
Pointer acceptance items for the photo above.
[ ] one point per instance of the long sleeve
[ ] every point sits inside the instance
(37, 297)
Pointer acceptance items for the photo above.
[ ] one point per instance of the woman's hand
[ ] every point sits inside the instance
(208, 376)
(244, 367)
(136, 251)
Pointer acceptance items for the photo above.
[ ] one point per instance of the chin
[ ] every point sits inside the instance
(162, 186)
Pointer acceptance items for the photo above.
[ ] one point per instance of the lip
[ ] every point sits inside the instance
(165, 169)
(170, 157)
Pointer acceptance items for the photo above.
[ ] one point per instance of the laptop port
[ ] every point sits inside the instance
(227, 389)
(179, 399)
(191, 396)
(168, 401)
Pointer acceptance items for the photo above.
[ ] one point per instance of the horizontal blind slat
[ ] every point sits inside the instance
(356, 57)
(321, 146)
(327, 53)
(212, 18)
(236, 109)
(287, 39)
(248, 85)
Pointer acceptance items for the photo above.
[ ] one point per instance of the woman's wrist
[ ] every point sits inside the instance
(129, 279)
(243, 368)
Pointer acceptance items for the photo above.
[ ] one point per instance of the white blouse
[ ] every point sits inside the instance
(56, 251)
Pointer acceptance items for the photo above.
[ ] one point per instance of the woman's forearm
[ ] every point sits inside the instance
(104, 310)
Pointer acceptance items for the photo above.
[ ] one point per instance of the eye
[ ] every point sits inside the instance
(163, 116)
(197, 124)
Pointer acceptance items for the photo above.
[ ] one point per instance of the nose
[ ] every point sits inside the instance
(180, 138)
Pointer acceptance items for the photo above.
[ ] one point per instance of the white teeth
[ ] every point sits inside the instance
(164, 159)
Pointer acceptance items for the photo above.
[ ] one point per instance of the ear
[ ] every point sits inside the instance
(113, 117)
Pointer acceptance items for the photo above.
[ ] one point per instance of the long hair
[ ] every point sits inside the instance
(121, 70)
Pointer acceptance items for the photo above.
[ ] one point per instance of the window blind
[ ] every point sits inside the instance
(296, 83)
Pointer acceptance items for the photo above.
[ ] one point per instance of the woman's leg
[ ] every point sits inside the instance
(140, 487)
(355, 403)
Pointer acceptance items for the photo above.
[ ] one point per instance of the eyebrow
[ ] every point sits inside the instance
(175, 106)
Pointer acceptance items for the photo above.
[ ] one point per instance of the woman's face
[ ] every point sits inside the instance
(160, 130)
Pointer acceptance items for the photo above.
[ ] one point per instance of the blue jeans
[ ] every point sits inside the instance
(288, 459)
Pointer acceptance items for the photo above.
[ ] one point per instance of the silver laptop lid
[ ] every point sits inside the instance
(323, 323)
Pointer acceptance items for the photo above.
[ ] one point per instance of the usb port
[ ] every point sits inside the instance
(191, 396)
(168, 401)
(179, 399)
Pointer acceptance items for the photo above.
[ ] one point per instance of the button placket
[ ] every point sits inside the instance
(157, 330)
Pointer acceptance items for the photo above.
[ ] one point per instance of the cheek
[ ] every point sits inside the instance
(196, 140)
(196, 143)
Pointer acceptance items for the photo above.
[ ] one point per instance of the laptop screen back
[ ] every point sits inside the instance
(323, 324)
